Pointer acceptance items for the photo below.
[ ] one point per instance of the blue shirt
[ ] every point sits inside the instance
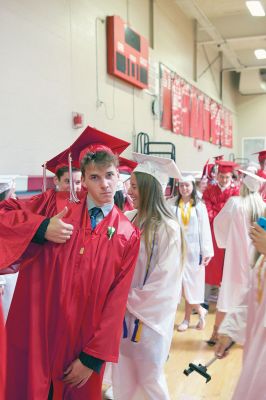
(106, 208)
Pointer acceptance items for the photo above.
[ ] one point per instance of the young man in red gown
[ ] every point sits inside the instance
(76, 267)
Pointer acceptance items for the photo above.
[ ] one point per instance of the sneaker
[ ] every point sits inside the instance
(205, 305)
(109, 393)
(183, 326)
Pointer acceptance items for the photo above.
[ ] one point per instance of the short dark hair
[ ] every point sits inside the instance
(61, 171)
(100, 158)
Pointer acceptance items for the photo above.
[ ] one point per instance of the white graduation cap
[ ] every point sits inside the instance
(6, 182)
(160, 168)
(187, 178)
(191, 176)
(252, 181)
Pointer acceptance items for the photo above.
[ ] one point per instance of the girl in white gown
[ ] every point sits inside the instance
(155, 289)
(193, 218)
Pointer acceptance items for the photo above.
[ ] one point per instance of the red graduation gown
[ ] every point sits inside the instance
(2, 355)
(65, 301)
(215, 199)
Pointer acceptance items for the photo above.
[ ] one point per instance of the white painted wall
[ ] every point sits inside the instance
(48, 70)
(251, 111)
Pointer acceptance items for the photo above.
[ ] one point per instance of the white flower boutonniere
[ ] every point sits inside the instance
(110, 232)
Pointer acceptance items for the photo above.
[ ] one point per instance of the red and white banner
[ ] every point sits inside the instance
(177, 105)
(187, 111)
(207, 119)
(196, 114)
(215, 123)
(228, 129)
(165, 97)
(185, 88)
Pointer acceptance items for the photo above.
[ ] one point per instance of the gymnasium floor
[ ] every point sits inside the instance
(189, 347)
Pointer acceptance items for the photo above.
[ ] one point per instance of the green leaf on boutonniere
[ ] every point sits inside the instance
(110, 232)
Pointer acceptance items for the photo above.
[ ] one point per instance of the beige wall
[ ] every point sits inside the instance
(48, 70)
(251, 112)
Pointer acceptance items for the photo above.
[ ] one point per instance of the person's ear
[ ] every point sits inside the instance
(83, 182)
(56, 180)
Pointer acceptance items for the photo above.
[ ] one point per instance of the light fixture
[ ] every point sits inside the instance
(255, 8)
(260, 54)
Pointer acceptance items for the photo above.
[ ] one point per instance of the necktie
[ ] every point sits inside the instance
(94, 212)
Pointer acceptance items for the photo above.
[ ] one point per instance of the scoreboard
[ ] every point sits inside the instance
(127, 53)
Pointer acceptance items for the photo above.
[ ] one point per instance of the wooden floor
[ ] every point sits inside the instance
(189, 347)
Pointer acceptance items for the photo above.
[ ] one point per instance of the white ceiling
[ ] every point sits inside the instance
(228, 25)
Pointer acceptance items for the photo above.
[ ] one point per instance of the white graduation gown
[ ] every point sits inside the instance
(198, 243)
(231, 227)
(11, 281)
(251, 384)
(139, 373)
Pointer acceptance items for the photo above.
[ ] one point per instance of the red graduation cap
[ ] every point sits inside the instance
(126, 165)
(226, 166)
(262, 155)
(91, 140)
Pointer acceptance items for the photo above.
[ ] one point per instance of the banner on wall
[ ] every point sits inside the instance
(186, 110)
(196, 114)
(227, 139)
(200, 131)
(165, 97)
(185, 89)
(215, 114)
(177, 105)
(207, 119)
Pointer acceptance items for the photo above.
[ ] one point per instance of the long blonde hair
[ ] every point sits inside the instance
(253, 204)
(254, 207)
(152, 209)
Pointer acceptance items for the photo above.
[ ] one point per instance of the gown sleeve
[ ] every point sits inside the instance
(206, 245)
(19, 220)
(155, 303)
(208, 200)
(235, 323)
(222, 222)
(105, 342)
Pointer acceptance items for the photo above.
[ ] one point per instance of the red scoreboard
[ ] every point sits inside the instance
(127, 53)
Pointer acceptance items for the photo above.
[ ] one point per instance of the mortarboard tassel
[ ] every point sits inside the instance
(44, 183)
(73, 198)
(125, 331)
(137, 331)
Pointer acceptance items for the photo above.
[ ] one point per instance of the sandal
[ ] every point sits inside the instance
(214, 337)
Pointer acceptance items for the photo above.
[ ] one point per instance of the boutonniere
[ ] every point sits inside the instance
(110, 232)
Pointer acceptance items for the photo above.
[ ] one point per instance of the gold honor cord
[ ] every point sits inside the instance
(185, 215)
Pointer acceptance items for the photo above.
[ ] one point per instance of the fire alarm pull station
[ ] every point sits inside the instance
(127, 53)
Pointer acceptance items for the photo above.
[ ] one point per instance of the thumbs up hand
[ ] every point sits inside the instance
(57, 230)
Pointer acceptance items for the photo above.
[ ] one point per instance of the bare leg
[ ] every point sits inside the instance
(185, 324)
(188, 310)
(219, 316)
(202, 314)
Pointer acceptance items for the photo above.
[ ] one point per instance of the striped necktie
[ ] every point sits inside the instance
(94, 212)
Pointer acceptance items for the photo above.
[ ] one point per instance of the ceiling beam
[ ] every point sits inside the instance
(193, 9)
(233, 40)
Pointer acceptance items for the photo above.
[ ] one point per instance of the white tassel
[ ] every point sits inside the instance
(73, 197)
(44, 182)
